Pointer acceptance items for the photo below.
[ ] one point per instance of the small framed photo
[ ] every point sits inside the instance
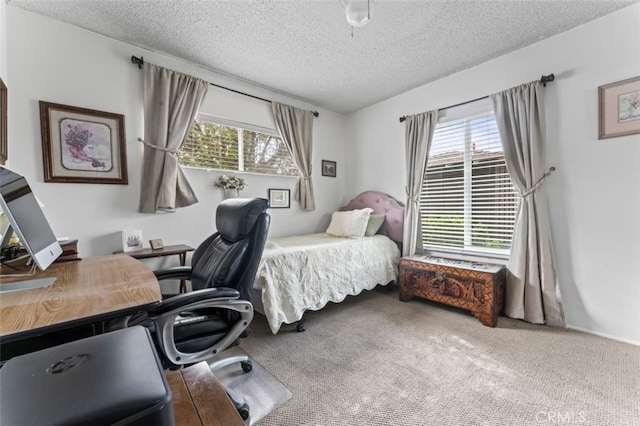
(619, 108)
(131, 240)
(82, 145)
(279, 198)
(328, 168)
(156, 244)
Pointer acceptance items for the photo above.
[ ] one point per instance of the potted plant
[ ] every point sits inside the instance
(231, 185)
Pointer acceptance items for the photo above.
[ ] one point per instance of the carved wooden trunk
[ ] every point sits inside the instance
(477, 287)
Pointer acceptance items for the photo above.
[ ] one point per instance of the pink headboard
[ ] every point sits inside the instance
(382, 203)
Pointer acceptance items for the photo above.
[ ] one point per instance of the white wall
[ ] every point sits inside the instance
(594, 196)
(3, 41)
(55, 62)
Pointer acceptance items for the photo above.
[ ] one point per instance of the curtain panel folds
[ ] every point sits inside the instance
(532, 292)
(296, 129)
(171, 103)
(419, 130)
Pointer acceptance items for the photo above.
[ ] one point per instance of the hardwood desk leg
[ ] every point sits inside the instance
(183, 283)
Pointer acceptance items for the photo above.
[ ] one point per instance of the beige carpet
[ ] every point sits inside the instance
(373, 360)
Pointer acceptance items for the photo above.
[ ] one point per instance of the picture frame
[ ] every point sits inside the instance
(131, 240)
(81, 145)
(619, 108)
(279, 198)
(4, 144)
(329, 168)
(156, 244)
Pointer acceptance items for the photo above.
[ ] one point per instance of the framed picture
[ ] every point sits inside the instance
(328, 168)
(3, 123)
(279, 198)
(131, 240)
(156, 244)
(619, 108)
(81, 145)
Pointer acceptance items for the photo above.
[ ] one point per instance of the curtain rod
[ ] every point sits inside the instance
(140, 61)
(544, 80)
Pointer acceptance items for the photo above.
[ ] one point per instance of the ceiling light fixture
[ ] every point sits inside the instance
(358, 11)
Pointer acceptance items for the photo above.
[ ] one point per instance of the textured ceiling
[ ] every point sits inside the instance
(305, 48)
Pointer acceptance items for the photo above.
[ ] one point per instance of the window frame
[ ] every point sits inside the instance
(240, 126)
(466, 111)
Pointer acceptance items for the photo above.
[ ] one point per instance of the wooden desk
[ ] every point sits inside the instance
(199, 399)
(99, 288)
(180, 250)
(89, 289)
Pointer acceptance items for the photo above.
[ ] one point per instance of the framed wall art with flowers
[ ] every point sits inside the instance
(619, 108)
(81, 145)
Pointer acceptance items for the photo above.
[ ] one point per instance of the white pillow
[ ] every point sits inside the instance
(351, 224)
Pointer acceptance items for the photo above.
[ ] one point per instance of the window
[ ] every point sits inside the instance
(468, 202)
(215, 143)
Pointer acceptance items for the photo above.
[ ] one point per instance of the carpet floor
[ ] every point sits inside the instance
(373, 360)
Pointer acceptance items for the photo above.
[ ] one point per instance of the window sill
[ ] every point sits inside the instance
(496, 258)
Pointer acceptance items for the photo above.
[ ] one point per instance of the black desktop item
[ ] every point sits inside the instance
(108, 379)
(28, 221)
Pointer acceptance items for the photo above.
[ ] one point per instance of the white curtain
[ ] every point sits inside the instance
(418, 135)
(171, 103)
(296, 129)
(532, 292)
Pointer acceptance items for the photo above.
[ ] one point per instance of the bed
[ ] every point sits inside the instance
(305, 272)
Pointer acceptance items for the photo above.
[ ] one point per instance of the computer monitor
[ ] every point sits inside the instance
(28, 221)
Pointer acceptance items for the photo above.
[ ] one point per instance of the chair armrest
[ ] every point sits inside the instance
(219, 298)
(182, 300)
(177, 272)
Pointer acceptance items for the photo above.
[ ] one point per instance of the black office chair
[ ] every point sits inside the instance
(196, 326)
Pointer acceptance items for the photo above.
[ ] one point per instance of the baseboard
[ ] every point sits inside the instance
(606, 336)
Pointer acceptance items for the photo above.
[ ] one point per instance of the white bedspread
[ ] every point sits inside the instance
(306, 272)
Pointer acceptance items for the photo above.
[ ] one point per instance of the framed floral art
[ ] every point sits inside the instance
(81, 145)
(619, 108)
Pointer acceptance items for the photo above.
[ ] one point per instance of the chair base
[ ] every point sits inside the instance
(228, 360)
(237, 399)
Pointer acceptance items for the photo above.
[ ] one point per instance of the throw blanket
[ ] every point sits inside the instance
(306, 272)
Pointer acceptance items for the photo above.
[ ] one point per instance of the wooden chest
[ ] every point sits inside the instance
(476, 287)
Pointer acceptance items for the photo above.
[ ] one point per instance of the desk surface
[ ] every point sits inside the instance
(199, 399)
(86, 288)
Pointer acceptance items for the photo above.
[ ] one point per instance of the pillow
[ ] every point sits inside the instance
(351, 224)
(375, 222)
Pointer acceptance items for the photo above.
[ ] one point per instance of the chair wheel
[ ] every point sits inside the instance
(244, 412)
(300, 328)
(246, 366)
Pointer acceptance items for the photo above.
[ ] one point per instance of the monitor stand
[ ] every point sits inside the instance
(27, 284)
(24, 284)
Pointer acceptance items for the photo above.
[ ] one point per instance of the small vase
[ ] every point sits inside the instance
(230, 193)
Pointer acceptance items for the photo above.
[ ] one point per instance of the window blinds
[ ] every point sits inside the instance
(467, 200)
(213, 145)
